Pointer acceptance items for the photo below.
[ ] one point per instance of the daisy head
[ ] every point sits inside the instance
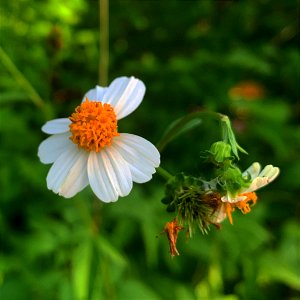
(242, 199)
(87, 148)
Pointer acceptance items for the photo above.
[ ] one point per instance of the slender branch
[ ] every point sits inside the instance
(21, 80)
(163, 173)
(104, 42)
(179, 124)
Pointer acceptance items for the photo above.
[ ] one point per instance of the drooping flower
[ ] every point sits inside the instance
(246, 196)
(87, 149)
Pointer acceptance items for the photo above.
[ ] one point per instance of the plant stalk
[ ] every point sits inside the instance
(21, 80)
(104, 42)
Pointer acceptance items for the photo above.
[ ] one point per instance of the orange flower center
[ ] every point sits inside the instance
(93, 126)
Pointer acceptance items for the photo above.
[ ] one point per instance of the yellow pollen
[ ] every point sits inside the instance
(93, 126)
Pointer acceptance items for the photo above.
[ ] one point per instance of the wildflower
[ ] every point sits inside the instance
(87, 148)
(246, 195)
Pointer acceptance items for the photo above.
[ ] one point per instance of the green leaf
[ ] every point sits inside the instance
(12, 97)
(177, 128)
(111, 252)
(282, 264)
(82, 259)
(134, 289)
(229, 137)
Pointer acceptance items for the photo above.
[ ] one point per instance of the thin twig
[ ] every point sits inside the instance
(104, 42)
(21, 79)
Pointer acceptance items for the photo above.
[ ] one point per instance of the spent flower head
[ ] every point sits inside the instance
(193, 201)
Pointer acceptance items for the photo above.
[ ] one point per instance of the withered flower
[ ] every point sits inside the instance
(172, 229)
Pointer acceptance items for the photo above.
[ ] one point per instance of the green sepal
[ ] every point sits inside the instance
(229, 137)
(232, 180)
(166, 200)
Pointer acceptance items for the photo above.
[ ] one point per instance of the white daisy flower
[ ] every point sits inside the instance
(86, 148)
(241, 201)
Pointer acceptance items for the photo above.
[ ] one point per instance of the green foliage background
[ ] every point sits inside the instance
(190, 54)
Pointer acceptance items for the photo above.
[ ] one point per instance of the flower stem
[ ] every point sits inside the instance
(184, 124)
(164, 173)
(104, 42)
(21, 80)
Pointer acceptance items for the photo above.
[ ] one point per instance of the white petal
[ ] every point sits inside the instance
(219, 215)
(125, 94)
(274, 174)
(109, 174)
(252, 171)
(240, 198)
(77, 178)
(144, 148)
(118, 171)
(141, 155)
(68, 174)
(267, 175)
(224, 198)
(57, 126)
(52, 147)
(227, 198)
(270, 172)
(99, 180)
(256, 184)
(95, 94)
(140, 168)
(230, 199)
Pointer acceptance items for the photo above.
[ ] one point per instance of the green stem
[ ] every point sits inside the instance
(163, 173)
(104, 42)
(178, 125)
(21, 80)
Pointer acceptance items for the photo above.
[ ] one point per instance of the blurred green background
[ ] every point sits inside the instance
(239, 58)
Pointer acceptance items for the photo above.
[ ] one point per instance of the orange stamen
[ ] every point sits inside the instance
(244, 205)
(250, 197)
(93, 126)
(229, 209)
(241, 205)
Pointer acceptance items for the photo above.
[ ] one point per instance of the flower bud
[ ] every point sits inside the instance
(219, 152)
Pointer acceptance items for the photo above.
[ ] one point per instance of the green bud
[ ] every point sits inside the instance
(220, 151)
